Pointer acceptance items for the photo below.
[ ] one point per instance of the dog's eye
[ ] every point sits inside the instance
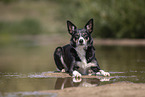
(76, 38)
(87, 38)
(85, 35)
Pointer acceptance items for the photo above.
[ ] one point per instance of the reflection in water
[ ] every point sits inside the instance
(62, 83)
(15, 84)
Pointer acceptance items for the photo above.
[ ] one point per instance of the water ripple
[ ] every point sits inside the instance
(35, 93)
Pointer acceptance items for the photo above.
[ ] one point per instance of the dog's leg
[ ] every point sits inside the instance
(104, 73)
(59, 59)
(73, 72)
(76, 74)
(98, 71)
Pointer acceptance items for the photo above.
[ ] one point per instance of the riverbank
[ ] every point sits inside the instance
(61, 39)
(119, 89)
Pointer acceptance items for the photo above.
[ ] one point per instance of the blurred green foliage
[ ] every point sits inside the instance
(8, 30)
(8, 1)
(26, 26)
(113, 18)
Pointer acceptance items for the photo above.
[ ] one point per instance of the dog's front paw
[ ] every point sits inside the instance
(76, 74)
(77, 80)
(104, 73)
(63, 70)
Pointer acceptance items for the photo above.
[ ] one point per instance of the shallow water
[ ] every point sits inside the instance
(22, 69)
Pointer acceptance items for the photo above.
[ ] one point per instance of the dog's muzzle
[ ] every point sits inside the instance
(81, 41)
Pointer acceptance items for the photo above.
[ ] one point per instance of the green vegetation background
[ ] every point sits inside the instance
(112, 18)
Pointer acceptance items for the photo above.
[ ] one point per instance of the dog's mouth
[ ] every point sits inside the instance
(81, 44)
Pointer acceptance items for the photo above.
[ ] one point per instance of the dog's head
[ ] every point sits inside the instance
(81, 37)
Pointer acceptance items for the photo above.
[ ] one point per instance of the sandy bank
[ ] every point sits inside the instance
(120, 89)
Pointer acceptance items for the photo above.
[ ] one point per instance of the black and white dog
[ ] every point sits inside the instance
(78, 57)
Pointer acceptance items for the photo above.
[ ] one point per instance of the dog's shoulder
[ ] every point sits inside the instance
(90, 53)
(73, 52)
(67, 46)
(90, 49)
(69, 49)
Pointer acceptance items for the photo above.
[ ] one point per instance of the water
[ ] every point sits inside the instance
(22, 69)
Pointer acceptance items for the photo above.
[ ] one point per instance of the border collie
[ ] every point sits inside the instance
(78, 57)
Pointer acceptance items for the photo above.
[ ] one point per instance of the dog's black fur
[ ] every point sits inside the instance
(79, 55)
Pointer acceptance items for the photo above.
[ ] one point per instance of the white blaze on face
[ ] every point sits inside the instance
(81, 38)
(84, 43)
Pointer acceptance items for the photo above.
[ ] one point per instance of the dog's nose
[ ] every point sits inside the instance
(81, 41)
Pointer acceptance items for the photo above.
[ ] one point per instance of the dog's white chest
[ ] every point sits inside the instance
(83, 65)
(81, 53)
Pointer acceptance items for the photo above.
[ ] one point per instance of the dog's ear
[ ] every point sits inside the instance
(89, 26)
(71, 27)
